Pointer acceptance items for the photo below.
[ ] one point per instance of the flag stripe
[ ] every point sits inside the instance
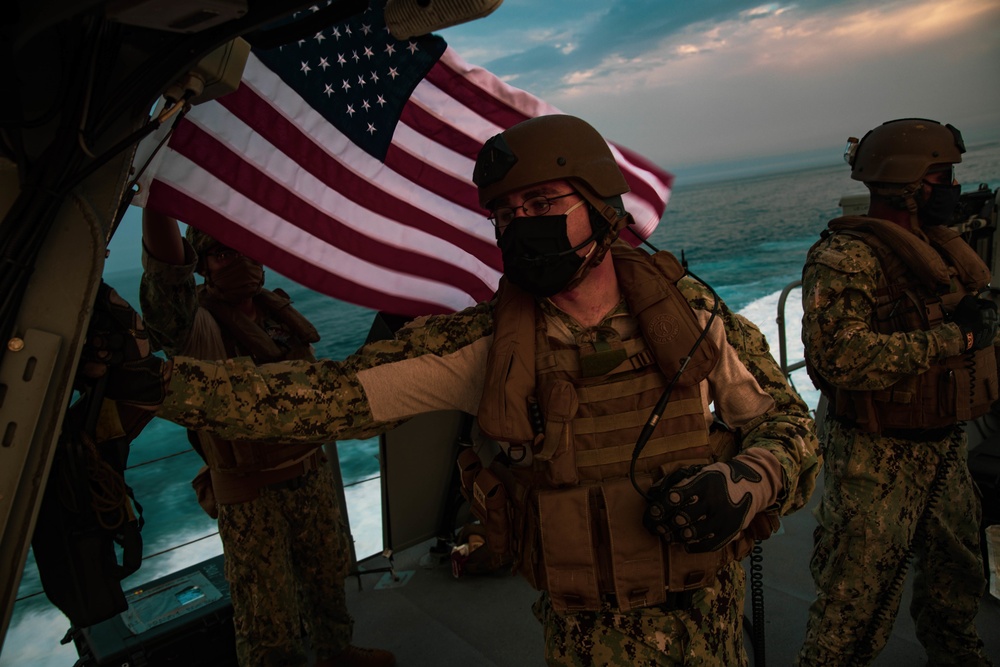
(240, 138)
(382, 285)
(301, 148)
(497, 100)
(307, 274)
(237, 174)
(421, 121)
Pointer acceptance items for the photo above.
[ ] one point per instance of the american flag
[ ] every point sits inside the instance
(344, 162)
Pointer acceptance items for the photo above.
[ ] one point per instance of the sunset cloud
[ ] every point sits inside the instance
(711, 80)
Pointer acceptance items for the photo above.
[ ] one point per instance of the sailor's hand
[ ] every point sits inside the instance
(118, 346)
(709, 508)
(978, 319)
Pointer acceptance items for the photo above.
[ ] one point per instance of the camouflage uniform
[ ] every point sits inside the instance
(876, 487)
(286, 550)
(439, 363)
(708, 634)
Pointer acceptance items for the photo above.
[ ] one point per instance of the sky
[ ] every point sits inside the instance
(713, 88)
(695, 82)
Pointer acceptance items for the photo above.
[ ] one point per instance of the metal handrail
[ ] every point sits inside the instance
(782, 347)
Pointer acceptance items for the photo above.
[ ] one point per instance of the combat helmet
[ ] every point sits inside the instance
(893, 159)
(902, 151)
(549, 148)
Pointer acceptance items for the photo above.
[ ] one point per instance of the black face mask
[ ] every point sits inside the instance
(940, 205)
(537, 256)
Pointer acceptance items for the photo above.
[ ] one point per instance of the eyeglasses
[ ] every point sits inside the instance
(535, 206)
(223, 254)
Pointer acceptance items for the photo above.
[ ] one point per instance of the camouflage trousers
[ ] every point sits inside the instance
(709, 634)
(876, 490)
(286, 556)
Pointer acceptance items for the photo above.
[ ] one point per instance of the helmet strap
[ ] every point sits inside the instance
(901, 197)
(601, 243)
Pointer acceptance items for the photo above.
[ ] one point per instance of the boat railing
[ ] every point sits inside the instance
(786, 368)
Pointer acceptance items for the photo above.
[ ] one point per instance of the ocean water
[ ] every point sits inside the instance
(747, 237)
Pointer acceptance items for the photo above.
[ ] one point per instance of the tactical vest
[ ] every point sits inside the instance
(921, 283)
(569, 417)
(238, 470)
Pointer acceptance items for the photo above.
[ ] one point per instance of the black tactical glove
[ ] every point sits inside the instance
(978, 320)
(705, 508)
(118, 345)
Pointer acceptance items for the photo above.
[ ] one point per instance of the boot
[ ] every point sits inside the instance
(354, 656)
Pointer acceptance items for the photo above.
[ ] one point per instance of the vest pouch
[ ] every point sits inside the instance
(688, 571)
(957, 389)
(636, 554)
(528, 549)
(489, 504)
(560, 404)
(567, 548)
(968, 385)
(858, 407)
(947, 390)
(469, 464)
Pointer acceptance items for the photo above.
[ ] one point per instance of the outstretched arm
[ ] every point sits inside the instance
(434, 364)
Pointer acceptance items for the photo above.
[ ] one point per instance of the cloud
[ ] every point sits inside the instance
(704, 81)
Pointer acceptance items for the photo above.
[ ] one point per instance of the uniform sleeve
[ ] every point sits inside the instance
(839, 283)
(434, 363)
(168, 300)
(782, 425)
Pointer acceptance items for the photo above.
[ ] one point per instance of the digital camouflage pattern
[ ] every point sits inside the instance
(876, 490)
(303, 402)
(839, 281)
(168, 300)
(709, 634)
(876, 487)
(288, 575)
(286, 552)
(306, 402)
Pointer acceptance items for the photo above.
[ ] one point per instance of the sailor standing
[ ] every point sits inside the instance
(286, 547)
(899, 341)
(637, 560)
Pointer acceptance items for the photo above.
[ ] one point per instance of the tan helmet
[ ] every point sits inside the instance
(549, 148)
(902, 151)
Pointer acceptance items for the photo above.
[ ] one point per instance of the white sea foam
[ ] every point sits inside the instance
(764, 313)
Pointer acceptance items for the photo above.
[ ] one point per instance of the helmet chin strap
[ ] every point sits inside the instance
(613, 218)
(585, 268)
(907, 194)
(601, 245)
